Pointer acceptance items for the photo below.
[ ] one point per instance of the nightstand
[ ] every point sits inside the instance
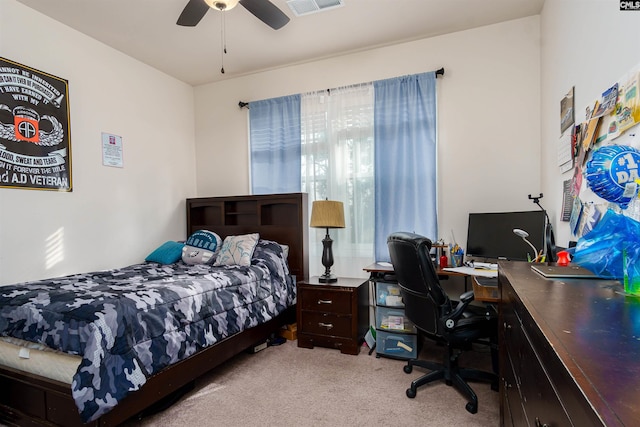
(334, 315)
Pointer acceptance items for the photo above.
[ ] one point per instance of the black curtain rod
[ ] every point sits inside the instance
(243, 104)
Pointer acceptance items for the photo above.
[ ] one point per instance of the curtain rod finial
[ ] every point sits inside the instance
(243, 104)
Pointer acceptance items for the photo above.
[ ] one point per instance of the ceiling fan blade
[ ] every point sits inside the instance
(267, 12)
(192, 13)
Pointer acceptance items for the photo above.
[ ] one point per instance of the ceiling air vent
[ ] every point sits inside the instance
(305, 7)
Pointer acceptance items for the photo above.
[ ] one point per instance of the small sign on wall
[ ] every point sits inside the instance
(112, 150)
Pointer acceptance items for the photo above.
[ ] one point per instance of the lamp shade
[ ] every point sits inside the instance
(327, 214)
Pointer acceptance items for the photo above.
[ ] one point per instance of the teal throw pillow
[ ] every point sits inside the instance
(168, 253)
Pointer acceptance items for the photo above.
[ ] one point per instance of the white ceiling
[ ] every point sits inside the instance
(147, 30)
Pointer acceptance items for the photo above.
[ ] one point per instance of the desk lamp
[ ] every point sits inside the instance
(327, 214)
(521, 233)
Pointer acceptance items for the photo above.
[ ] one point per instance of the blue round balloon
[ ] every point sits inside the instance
(612, 173)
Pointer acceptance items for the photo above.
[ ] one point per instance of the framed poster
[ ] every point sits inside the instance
(35, 138)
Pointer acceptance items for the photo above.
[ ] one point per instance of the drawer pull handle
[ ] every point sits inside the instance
(326, 325)
(325, 301)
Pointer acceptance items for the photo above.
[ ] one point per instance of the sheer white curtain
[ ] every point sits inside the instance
(338, 164)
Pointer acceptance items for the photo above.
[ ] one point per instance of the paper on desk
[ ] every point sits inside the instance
(473, 271)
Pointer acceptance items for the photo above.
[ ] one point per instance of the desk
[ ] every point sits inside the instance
(569, 353)
(481, 293)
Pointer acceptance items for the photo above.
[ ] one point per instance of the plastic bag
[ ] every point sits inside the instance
(612, 250)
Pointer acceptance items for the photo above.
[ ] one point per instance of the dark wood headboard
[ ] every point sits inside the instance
(279, 217)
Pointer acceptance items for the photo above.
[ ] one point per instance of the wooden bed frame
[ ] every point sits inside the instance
(28, 399)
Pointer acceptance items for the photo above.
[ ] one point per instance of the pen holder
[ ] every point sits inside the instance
(456, 260)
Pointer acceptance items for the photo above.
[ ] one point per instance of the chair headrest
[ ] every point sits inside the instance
(411, 238)
(412, 264)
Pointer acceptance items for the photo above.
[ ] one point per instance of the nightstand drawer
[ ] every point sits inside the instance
(326, 324)
(325, 300)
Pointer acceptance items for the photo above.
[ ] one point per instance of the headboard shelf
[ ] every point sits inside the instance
(279, 217)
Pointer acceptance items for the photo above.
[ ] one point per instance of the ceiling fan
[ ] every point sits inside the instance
(264, 10)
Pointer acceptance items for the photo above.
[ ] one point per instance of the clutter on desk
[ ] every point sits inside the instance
(456, 252)
(612, 250)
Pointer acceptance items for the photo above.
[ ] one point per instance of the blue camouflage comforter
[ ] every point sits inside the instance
(130, 323)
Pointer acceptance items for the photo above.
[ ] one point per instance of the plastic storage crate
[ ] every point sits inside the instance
(394, 320)
(397, 345)
(388, 295)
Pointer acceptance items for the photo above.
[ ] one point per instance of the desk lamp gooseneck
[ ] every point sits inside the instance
(521, 233)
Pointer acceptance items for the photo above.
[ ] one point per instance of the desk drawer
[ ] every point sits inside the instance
(325, 300)
(329, 324)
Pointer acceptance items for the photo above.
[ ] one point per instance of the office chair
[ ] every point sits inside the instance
(454, 324)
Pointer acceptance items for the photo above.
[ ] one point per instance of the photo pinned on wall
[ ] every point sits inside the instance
(567, 116)
(591, 134)
(576, 213)
(608, 102)
(627, 110)
(35, 136)
(577, 181)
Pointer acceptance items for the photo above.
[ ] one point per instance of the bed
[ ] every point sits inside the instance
(159, 355)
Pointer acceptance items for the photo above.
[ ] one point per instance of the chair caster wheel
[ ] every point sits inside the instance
(411, 393)
(471, 407)
(407, 369)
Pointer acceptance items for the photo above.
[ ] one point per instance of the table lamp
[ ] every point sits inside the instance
(327, 214)
(521, 233)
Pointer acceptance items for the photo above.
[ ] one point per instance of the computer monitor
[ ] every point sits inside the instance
(490, 235)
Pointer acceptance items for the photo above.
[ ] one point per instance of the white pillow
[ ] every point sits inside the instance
(237, 250)
(201, 248)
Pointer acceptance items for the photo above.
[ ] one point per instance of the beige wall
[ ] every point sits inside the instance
(489, 104)
(588, 44)
(114, 216)
(489, 115)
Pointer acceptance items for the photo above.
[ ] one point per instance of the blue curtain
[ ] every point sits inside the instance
(275, 137)
(405, 158)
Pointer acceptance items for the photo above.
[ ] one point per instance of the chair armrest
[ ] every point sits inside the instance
(467, 297)
(451, 319)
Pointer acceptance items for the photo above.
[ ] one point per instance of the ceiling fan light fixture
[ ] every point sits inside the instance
(222, 4)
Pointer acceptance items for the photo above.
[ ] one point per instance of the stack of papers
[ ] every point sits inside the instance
(475, 271)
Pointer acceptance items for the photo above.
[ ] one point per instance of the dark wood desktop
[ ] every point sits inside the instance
(569, 350)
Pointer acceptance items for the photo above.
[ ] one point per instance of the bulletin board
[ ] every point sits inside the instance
(601, 151)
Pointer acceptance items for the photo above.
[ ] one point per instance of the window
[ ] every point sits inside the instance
(371, 146)
(338, 164)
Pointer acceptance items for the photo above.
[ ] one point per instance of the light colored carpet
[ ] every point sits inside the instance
(287, 385)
